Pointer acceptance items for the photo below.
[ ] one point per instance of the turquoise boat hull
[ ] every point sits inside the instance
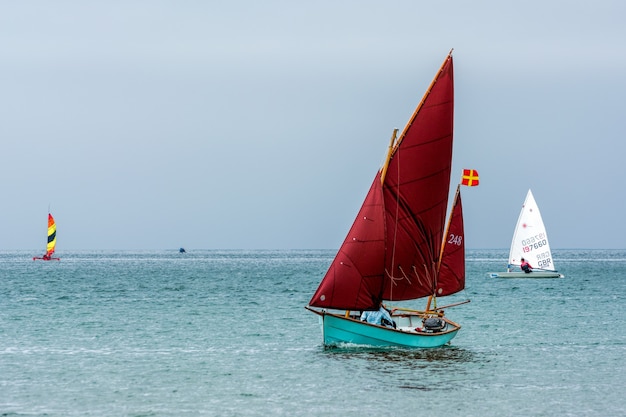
(338, 330)
(521, 274)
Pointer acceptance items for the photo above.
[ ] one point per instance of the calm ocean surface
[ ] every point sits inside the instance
(225, 333)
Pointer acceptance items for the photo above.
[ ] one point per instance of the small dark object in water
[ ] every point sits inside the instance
(182, 250)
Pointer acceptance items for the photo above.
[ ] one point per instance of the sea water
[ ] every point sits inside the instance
(225, 333)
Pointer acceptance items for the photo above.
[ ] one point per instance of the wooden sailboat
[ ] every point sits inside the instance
(52, 241)
(399, 247)
(530, 243)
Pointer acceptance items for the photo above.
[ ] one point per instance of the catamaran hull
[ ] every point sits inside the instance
(534, 274)
(337, 330)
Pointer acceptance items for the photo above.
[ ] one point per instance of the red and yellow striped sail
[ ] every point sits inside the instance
(52, 235)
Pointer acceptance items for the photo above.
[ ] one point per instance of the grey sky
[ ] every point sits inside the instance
(244, 124)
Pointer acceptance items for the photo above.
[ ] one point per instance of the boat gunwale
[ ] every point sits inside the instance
(523, 275)
(455, 327)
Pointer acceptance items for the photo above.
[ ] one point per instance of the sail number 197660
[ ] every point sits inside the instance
(536, 245)
(534, 242)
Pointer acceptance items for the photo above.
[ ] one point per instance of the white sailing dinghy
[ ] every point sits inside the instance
(530, 242)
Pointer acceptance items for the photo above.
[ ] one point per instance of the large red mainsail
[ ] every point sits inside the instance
(393, 249)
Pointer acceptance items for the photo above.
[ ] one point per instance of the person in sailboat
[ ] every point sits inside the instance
(526, 267)
(381, 317)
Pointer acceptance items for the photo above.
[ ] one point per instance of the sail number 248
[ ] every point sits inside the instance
(455, 239)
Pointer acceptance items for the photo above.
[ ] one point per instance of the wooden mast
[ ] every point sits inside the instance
(392, 144)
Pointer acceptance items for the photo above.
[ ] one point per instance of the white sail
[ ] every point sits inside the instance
(530, 240)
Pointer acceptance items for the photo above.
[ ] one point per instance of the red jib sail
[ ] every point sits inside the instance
(393, 249)
(452, 268)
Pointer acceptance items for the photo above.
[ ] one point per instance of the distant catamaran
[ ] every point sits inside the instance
(52, 241)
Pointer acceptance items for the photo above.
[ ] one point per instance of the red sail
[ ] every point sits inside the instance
(354, 279)
(416, 190)
(392, 250)
(452, 269)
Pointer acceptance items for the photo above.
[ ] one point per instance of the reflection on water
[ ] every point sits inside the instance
(404, 356)
(414, 369)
